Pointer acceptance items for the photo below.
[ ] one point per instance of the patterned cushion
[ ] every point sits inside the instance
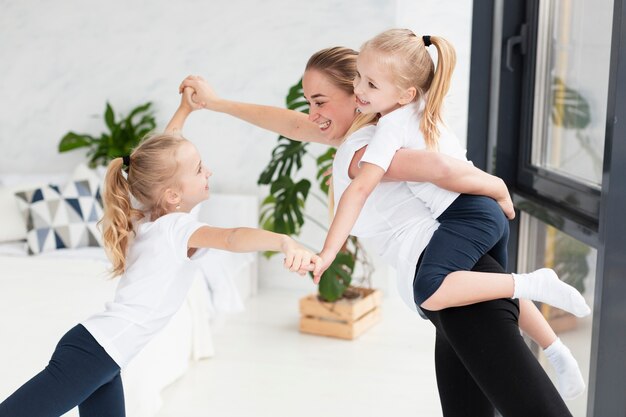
(57, 219)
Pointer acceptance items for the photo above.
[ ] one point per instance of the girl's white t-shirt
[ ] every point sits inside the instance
(401, 129)
(392, 220)
(154, 286)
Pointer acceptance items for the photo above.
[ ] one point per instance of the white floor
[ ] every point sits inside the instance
(265, 367)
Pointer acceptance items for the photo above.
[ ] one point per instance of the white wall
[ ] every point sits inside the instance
(62, 60)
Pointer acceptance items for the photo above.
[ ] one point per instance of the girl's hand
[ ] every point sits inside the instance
(506, 204)
(326, 258)
(204, 96)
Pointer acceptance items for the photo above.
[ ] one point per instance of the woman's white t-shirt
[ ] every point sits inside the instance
(393, 220)
(401, 129)
(158, 276)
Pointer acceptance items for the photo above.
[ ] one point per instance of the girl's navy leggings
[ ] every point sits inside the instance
(471, 227)
(80, 373)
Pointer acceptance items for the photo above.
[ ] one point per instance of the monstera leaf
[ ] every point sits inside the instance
(324, 165)
(337, 277)
(283, 209)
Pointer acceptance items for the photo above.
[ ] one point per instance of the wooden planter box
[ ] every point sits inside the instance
(344, 319)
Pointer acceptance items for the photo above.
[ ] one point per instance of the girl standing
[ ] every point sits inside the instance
(152, 248)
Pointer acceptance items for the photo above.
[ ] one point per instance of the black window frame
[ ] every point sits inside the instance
(598, 220)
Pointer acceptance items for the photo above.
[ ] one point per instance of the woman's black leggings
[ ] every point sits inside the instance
(482, 361)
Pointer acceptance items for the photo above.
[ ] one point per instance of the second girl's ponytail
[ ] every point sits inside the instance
(436, 92)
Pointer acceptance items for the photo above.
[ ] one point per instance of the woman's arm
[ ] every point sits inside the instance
(244, 239)
(350, 205)
(289, 123)
(444, 171)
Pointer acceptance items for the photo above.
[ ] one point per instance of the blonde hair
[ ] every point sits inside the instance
(338, 64)
(151, 170)
(406, 56)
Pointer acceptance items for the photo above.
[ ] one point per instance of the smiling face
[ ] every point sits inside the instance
(374, 86)
(331, 108)
(192, 177)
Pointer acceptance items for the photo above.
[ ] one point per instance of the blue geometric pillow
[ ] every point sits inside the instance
(58, 219)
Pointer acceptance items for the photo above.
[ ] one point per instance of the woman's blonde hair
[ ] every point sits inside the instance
(407, 57)
(151, 170)
(338, 64)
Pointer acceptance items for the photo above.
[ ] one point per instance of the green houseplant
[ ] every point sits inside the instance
(124, 134)
(283, 210)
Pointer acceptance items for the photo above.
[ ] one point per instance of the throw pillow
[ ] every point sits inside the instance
(64, 218)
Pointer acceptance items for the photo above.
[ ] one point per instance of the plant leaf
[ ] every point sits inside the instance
(285, 156)
(109, 117)
(324, 164)
(337, 277)
(73, 140)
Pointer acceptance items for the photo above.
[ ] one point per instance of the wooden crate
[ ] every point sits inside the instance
(344, 319)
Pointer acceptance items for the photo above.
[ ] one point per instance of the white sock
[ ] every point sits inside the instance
(570, 380)
(545, 286)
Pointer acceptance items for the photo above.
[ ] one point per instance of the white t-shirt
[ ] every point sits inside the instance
(393, 220)
(157, 278)
(400, 129)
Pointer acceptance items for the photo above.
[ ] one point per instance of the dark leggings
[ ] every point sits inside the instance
(482, 361)
(80, 373)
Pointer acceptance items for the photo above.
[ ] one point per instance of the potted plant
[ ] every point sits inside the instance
(339, 309)
(124, 134)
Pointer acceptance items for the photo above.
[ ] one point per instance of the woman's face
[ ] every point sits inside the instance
(331, 108)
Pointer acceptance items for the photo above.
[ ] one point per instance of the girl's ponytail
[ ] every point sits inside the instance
(118, 215)
(436, 92)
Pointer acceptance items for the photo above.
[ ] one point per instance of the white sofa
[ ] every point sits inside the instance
(43, 296)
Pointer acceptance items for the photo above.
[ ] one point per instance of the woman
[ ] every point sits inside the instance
(467, 356)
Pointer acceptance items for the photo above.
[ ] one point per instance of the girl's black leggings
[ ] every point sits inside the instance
(482, 361)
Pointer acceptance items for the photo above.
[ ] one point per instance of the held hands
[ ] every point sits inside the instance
(326, 259)
(297, 258)
(203, 96)
(187, 102)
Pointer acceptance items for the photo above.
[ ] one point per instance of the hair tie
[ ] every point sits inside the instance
(426, 39)
(126, 162)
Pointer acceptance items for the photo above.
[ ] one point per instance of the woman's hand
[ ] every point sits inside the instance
(298, 258)
(204, 96)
